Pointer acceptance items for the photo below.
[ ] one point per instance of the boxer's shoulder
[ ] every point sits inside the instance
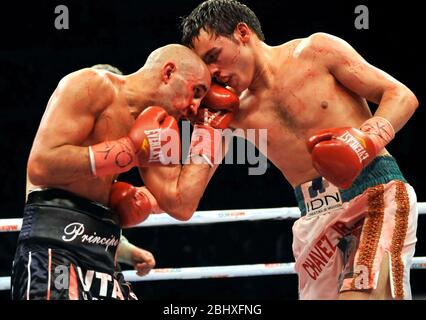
(95, 80)
(89, 87)
(316, 43)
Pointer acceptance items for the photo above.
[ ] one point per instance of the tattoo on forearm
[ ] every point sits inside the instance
(377, 128)
(107, 150)
(123, 155)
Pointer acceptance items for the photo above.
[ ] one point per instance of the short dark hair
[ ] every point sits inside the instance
(107, 67)
(220, 17)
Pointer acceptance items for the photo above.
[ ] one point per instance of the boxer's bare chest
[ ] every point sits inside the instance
(303, 97)
(297, 101)
(114, 122)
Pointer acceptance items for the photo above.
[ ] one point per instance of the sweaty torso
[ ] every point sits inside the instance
(302, 98)
(113, 122)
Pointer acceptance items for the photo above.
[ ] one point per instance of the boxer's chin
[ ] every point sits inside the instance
(238, 85)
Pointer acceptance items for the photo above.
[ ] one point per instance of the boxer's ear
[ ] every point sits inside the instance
(242, 32)
(167, 71)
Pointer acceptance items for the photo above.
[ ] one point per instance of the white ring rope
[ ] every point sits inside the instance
(216, 272)
(204, 217)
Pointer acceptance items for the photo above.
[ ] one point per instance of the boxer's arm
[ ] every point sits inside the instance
(57, 156)
(179, 188)
(396, 102)
(142, 260)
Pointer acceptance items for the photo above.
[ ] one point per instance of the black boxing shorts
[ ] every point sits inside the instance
(67, 250)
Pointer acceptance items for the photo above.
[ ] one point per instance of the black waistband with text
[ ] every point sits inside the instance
(86, 229)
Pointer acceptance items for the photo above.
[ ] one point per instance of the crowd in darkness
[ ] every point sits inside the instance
(34, 56)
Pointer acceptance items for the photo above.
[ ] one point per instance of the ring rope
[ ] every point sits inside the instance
(204, 217)
(216, 272)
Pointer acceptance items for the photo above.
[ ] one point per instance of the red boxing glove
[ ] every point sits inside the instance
(154, 139)
(132, 204)
(339, 154)
(218, 107)
(216, 112)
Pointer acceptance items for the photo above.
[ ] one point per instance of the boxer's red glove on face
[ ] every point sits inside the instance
(132, 204)
(154, 139)
(216, 111)
(340, 154)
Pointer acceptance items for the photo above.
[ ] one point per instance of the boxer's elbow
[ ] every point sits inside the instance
(406, 97)
(181, 212)
(43, 169)
(412, 99)
(409, 102)
(176, 207)
(38, 171)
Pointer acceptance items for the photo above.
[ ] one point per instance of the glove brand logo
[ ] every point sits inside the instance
(154, 143)
(209, 118)
(320, 197)
(76, 229)
(162, 145)
(355, 145)
(145, 146)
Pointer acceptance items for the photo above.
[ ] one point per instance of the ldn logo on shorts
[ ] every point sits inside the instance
(320, 197)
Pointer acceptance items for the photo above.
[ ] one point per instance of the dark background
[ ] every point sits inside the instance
(34, 56)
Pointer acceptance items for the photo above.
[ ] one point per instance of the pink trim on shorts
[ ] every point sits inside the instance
(49, 273)
(73, 284)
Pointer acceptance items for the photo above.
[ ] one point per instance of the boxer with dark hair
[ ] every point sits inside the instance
(357, 233)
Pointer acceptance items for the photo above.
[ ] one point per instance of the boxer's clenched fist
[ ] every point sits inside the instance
(340, 154)
(132, 204)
